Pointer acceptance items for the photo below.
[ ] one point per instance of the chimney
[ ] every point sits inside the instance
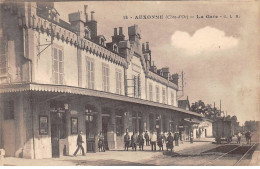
(143, 47)
(116, 38)
(115, 31)
(92, 16)
(120, 31)
(134, 34)
(77, 21)
(147, 46)
(85, 11)
(92, 25)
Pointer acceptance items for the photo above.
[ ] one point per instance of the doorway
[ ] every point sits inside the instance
(55, 134)
(105, 121)
(90, 136)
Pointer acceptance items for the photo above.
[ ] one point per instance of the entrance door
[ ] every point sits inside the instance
(105, 121)
(90, 137)
(55, 134)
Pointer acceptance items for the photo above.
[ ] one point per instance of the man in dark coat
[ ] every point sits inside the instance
(147, 139)
(140, 141)
(160, 142)
(248, 137)
(127, 141)
(133, 141)
(79, 144)
(169, 142)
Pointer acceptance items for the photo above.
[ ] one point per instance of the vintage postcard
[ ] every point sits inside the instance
(129, 83)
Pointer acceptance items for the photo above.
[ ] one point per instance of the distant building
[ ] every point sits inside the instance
(199, 128)
(58, 78)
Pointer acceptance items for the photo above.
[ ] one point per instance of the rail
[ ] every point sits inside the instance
(244, 155)
(238, 161)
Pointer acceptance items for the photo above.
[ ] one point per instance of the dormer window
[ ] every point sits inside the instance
(115, 48)
(102, 41)
(87, 34)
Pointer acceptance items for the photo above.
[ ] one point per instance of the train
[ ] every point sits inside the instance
(223, 131)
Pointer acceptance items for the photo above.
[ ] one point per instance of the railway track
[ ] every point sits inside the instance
(244, 149)
(247, 152)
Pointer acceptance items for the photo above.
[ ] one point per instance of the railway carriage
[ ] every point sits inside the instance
(222, 131)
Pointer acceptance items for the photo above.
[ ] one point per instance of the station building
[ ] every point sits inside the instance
(58, 78)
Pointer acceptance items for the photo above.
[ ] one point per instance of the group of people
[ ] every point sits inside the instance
(139, 139)
(136, 140)
(247, 135)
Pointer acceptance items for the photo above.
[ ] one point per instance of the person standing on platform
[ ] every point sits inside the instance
(164, 137)
(133, 141)
(169, 142)
(191, 137)
(79, 144)
(153, 141)
(147, 139)
(101, 146)
(140, 141)
(176, 138)
(127, 141)
(238, 137)
(248, 137)
(160, 142)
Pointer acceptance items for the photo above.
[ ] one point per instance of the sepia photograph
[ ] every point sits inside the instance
(129, 83)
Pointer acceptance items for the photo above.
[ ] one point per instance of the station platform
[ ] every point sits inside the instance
(112, 157)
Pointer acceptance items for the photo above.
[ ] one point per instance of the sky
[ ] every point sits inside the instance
(219, 56)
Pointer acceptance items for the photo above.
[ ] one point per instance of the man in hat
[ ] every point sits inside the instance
(127, 141)
(169, 143)
(147, 139)
(133, 141)
(140, 141)
(79, 144)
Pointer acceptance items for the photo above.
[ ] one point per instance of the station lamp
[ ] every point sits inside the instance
(88, 114)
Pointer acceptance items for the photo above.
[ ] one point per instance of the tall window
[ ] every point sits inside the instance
(58, 69)
(137, 86)
(163, 96)
(118, 82)
(3, 56)
(90, 73)
(105, 70)
(150, 92)
(157, 94)
(172, 98)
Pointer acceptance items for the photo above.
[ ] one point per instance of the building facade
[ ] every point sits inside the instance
(58, 78)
